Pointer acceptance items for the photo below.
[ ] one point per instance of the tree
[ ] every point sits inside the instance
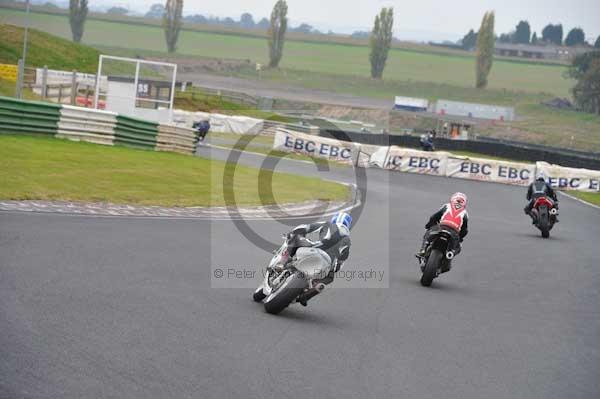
(156, 11)
(469, 41)
(597, 44)
(553, 34)
(522, 33)
(78, 10)
(586, 69)
(195, 19)
(575, 37)
(228, 21)
(117, 11)
(303, 28)
(534, 39)
(172, 23)
(485, 50)
(380, 41)
(276, 34)
(246, 21)
(359, 34)
(582, 63)
(506, 37)
(263, 24)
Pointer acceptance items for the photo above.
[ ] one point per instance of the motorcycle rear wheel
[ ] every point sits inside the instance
(431, 267)
(544, 223)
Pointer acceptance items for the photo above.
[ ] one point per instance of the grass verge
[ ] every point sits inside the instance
(45, 168)
(196, 100)
(592, 198)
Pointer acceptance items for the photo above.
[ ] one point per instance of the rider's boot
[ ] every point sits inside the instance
(421, 253)
(310, 293)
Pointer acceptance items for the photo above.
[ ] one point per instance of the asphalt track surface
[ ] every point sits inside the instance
(123, 308)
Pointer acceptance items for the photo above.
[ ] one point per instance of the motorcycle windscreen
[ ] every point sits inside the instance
(312, 262)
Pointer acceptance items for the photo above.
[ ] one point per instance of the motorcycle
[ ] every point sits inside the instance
(288, 280)
(545, 215)
(438, 255)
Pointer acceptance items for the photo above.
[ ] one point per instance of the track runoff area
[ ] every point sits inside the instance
(128, 307)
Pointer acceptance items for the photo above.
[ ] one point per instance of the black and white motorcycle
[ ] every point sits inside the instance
(288, 278)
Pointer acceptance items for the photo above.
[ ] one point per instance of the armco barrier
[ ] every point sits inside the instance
(82, 124)
(518, 151)
(133, 132)
(100, 127)
(176, 139)
(17, 116)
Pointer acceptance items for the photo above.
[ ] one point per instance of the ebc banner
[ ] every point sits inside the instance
(314, 146)
(505, 172)
(570, 178)
(414, 161)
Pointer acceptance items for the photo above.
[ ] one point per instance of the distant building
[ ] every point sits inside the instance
(548, 52)
(473, 110)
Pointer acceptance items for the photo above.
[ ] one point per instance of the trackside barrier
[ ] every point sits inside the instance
(82, 124)
(407, 160)
(482, 169)
(411, 161)
(314, 146)
(570, 178)
(176, 139)
(94, 126)
(137, 133)
(18, 116)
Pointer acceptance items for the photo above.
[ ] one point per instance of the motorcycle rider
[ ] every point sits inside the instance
(539, 188)
(334, 239)
(452, 217)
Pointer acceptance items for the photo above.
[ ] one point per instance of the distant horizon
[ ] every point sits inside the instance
(589, 10)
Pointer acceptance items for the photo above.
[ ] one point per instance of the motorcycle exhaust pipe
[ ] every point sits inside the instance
(320, 287)
(449, 255)
(553, 211)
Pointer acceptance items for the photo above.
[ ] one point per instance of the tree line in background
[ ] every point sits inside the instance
(551, 34)
(246, 21)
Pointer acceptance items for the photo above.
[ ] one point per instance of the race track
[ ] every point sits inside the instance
(123, 307)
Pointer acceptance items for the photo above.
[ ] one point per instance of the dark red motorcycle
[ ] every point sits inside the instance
(545, 213)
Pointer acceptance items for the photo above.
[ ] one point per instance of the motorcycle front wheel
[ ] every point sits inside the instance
(258, 295)
(431, 267)
(293, 286)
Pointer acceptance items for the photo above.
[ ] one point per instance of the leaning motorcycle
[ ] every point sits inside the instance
(286, 280)
(438, 255)
(545, 213)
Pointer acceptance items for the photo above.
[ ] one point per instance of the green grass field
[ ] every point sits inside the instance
(7, 88)
(53, 169)
(403, 64)
(45, 49)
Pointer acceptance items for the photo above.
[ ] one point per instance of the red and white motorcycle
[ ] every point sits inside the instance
(545, 213)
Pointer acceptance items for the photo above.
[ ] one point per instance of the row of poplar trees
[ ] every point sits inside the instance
(172, 21)
(380, 40)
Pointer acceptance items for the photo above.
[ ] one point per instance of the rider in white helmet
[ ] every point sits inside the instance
(539, 188)
(334, 239)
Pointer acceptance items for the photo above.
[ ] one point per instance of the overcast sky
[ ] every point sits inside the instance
(414, 19)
